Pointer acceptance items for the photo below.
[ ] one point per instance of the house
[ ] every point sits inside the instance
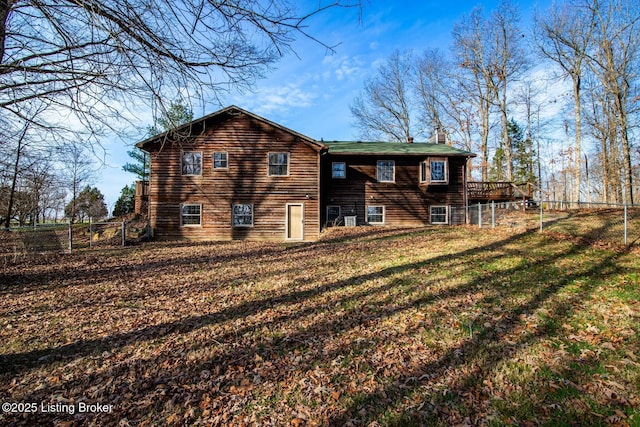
(236, 175)
(400, 184)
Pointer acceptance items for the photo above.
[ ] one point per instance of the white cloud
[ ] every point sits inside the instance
(277, 99)
(343, 67)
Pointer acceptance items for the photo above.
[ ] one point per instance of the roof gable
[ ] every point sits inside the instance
(198, 126)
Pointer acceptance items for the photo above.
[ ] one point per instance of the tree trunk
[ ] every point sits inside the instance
(5, 10)
(577, 147)
(14, 180)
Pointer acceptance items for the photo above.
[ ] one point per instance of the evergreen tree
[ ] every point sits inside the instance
(523, 154)
(89, 204)
(140, 166)
(497, 171)
(126, 202)
(177, 114)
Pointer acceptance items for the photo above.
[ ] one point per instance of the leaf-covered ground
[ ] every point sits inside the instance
(369, 326)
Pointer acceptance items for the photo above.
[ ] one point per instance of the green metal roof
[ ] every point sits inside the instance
(400, 148)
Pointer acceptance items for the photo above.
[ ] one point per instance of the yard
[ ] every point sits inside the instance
(368, 326)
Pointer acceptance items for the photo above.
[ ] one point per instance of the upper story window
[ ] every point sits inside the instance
(220, 160)
(278, 164)
(338, 170)
(434, 171)
(191, 163)
(386, 171)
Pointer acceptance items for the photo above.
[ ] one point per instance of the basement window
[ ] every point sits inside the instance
(439, 215)
(375, 214)
(333, 213)
(243, 215)
(191, 215)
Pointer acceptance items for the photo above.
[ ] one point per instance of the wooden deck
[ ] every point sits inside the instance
(498, 191)
(141, 198)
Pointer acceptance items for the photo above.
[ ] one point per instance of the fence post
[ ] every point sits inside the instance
(541, 213)
(493, 214)
(35, 237)
(90, 233)
(479, 215)
(625, 223)
(70, 237)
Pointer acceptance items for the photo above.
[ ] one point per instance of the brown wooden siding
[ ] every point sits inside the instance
(406, 201)
(247, 142)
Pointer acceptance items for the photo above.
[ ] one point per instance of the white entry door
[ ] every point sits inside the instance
(295, 221)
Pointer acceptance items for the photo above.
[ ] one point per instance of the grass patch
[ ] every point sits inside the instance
(430, 326)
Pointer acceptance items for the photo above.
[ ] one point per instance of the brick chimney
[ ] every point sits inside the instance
(440, 136)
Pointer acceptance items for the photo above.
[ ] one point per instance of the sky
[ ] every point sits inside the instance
(310, 92)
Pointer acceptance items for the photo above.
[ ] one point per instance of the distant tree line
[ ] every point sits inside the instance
(555, 104)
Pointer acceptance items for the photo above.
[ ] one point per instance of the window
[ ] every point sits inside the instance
(439, 215)
(220, 160)
(278, 164)
(191, 215)
(386, 171)
(333, 213)
(191, 163)
(242, 215)
(434, 171)
(375, 214)
(338, 170)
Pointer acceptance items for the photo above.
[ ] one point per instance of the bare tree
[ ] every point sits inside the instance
(19, 144)
(508, 62)
(564, 35)
(615, 61)
(79, 171)
(383, 110)
(91, 59)
(432, 88)
(476, 76)
(442, 102)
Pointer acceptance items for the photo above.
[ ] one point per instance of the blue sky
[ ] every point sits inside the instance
(311, 92)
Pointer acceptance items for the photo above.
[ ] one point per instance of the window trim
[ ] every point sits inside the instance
(446, 214)
(344, 170)
(384, 214)
(233, 215)
(199, 215)
(269, 162)
(393, 165)
(425, 171)
(226, 160)
(182, 154)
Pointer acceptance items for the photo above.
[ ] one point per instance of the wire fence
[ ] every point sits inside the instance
(67, 237)
(605, 222)
(594, 222)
